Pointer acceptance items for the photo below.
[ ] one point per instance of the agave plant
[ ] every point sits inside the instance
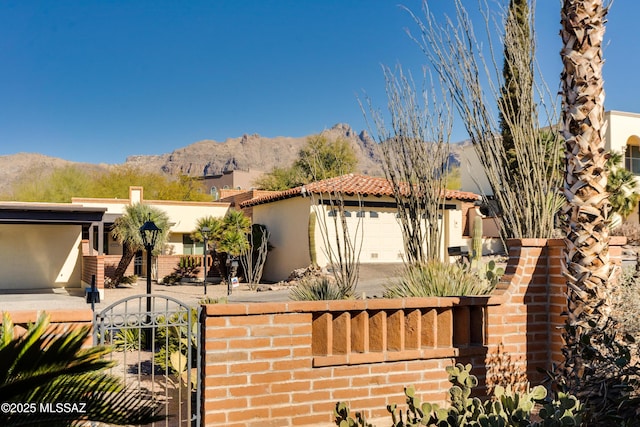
(437, 279)
(45, 368)
(317, 289)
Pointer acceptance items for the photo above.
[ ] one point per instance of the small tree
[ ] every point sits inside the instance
(319, 159)
(126, 230)
(322, 159)
(227, 235)
(522, 179)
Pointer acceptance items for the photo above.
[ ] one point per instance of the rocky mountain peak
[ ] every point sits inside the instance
(253, 152)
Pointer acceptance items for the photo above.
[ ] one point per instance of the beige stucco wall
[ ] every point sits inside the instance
(40, 256)
(623, 129)
(288, 222)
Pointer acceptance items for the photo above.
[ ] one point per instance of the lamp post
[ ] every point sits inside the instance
(149, 233)
(205, 235)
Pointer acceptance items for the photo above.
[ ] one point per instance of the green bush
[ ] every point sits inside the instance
(438, 279)
(505, 408)
(212, 300)
(129, 280)
(607, 382)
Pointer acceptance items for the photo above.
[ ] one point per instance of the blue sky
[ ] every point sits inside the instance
(97, 81)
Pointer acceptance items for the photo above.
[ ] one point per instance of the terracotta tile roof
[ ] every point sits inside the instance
(348, 184)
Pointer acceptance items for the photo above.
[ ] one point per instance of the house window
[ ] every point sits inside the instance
(632, 159)
(360, 214)
(332, 213)
(373, 214)
(191, 247)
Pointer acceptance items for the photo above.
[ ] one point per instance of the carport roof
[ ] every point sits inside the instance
(49, 213)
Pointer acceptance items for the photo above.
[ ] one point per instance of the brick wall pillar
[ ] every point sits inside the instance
(527, 323)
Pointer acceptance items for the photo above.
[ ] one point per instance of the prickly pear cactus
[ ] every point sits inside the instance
(505, 409)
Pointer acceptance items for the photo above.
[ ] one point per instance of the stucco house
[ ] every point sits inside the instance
(622, 135)
(372, 209)
(183, 217)
(48, 246)
(40, 244)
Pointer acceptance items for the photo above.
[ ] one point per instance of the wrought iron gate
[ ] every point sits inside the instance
(156, 351)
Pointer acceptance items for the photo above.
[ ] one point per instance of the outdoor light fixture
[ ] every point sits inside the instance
(149, 233)
(205, 235)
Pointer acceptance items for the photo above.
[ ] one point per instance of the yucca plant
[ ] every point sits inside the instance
(436, 279)
(129, 339)
(317, 289)
(46, 367)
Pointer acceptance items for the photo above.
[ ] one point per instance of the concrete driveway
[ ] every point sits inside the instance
(371, 283)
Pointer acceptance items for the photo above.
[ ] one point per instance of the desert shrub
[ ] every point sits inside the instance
(608, 381)
(630, 231)
(212, 300)
(626, 303)
(187, 268)
(440, 279)
(505, 371)
(505, 408)
(317, 288)
(129, 280)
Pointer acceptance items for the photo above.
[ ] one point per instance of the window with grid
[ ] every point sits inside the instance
(632, 159)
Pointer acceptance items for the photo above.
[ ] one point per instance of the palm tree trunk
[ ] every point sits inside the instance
(587, 266)
(127, 255)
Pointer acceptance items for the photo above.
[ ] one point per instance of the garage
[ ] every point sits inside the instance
(41, 244)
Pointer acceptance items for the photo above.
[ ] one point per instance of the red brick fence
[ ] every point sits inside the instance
(287, 364)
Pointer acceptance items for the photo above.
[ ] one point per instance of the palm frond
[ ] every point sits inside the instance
(48, 366)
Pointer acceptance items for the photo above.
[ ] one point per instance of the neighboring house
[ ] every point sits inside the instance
(371, 206)
(183, 217)
(40, 244)
(622, 135)
(230, 180)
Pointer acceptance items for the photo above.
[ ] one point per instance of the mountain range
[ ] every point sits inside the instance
(208, 157)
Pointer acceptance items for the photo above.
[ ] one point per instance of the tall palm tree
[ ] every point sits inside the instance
(598, 367)
(587, 208)
(234, 238)
(228, 235)
(126, 230)
(43, 369)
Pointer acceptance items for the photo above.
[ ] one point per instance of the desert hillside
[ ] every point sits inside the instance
(209, 157)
